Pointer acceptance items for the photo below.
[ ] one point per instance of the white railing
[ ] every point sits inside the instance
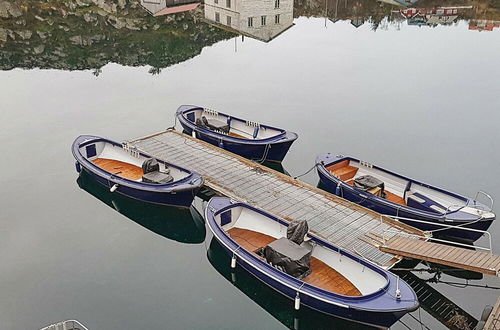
(66, 325)
(445, 226)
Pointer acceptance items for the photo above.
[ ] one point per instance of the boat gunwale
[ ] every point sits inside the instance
(294, 283)
(438, 216)
(192, 181)
(282, 137)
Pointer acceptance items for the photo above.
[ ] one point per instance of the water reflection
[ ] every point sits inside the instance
(185, 226)
(167, 7)
(261, 20)
(83, 35)
(437, 305)
(274, 303)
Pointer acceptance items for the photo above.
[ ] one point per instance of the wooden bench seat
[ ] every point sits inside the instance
(125, 170)
(322, 275)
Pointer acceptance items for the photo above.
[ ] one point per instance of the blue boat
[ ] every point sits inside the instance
(134, 174)
(245, 138)
(392, 194)
(310, 271)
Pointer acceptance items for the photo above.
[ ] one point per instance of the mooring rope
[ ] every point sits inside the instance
(175, 123)
(309, 170)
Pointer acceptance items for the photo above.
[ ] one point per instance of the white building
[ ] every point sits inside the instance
(259, 19)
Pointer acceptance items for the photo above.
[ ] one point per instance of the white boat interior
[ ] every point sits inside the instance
(123, 163)
(237, 127)
(330, 270)
(397, 189)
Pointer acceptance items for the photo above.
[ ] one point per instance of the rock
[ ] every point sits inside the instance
(76, 40)
(38, 49)
(9, 9)
(89, 18)
(122, 3)
(156, 27)
(24, 34)
(64, 28)
(83, 3)
(41, 34)
(39, 18)
(131, 24)
(3, 35)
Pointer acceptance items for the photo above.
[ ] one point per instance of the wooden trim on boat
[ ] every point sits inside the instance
(322, 275)
(119, 168)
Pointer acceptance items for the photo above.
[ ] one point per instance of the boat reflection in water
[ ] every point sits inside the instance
(181, 225)
(273, 302)
(261, 20)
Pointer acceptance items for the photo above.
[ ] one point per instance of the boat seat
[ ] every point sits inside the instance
(424, 203)
(213, 124)
(157, 177)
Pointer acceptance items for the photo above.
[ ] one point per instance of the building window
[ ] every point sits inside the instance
(277, 19)
(228, 3)
(228, 20)
(276, 4)
(250, 21)
(216, 2)
(263, 20)
(217, 17)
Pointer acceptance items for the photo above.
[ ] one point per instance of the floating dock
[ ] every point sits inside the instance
(476, 261)
(345, 224)
(349, 226)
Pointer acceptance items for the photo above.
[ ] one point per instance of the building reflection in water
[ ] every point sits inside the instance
(165, 7)
(483, 25)
(263, 20)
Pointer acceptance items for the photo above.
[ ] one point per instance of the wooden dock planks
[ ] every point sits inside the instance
(493, 321)
(342, 223)
(477, 261)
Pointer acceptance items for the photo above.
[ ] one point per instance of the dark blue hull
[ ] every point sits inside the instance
(182, 199)
(378, 319)
(271, 148)
(273, 152)
(391, 209)
(378, 308)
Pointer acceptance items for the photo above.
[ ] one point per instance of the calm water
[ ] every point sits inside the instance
(422, 100)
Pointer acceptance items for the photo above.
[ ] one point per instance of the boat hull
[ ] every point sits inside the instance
(271, 149)
(178, 193)
(181, 199)
(378, 308)
(377, 319)
(337, 187)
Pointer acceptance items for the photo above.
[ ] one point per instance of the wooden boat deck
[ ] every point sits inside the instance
(344, 224)
(125, 170)
(476, 261)
(346, 173)
(322, 275)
